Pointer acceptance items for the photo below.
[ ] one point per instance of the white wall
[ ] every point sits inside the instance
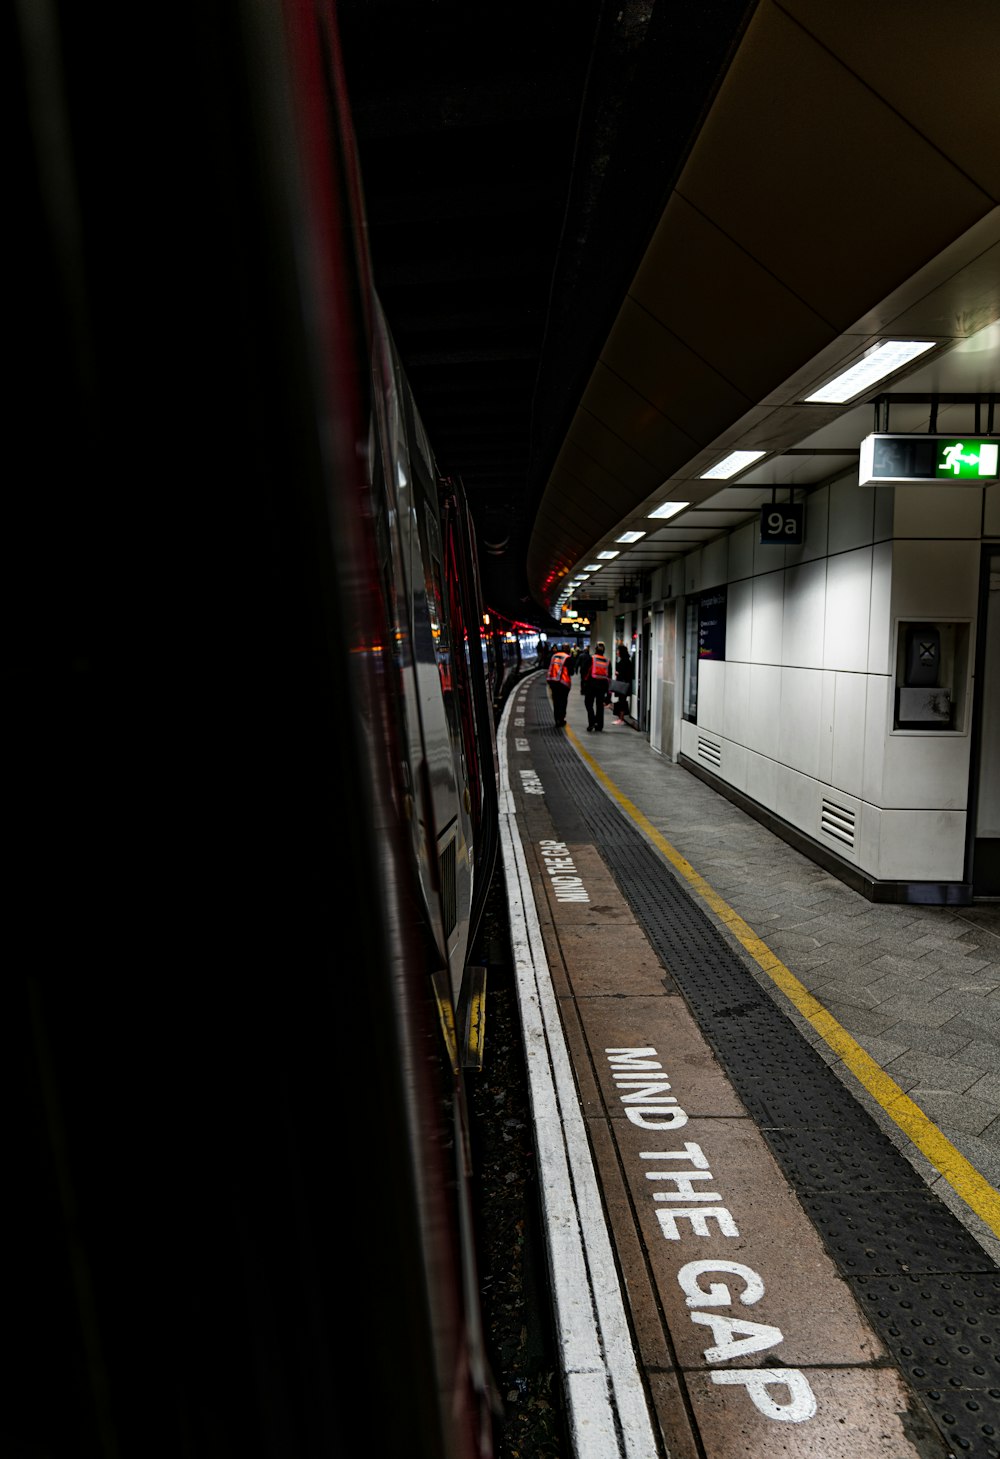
(799, 716)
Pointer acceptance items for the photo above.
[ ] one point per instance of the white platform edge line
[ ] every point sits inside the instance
(577, 1206)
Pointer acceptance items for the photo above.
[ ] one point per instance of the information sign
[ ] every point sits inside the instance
(782, 523)
(712, 625)
(961, 460)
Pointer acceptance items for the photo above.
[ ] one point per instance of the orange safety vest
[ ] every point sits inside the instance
(599, 667)
(558, 672)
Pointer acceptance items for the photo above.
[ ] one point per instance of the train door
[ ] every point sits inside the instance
(645, 676)
(984, 799)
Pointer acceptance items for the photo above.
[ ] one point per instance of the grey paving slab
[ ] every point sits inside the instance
(930, 1072)
(883, 1050)
(955, 1111)
(944, 1042)
(857, 1020)
(969, 1028)
(901, 985)
(853, 995)
(848, 975)
(987, 1088)
(931, 1012)
(896, 966)
(981, 982)
(987, 1055)
(847, 957)
(944, 935)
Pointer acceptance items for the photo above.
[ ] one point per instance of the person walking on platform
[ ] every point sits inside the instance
(623, 674)
(583, 668)
(597, 689)
(558, 680)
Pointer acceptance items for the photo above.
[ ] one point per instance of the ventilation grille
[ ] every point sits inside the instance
(449, 893)
(709, 751)
(837, 821)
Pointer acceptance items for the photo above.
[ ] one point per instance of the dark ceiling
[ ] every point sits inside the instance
(515, 164)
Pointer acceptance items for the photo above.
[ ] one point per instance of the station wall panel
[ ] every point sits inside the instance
(815, 538)
(715, 563)
(991, 511)
(711, 696)
(828, 725)
(741, 552)
(920, 845)
(852, 515)
(763, 723)
(848, 740)
(848, 606)
(737, 759)
(799, 726)
(803, 615)
(767, 610)
(930, 511)
(736, 713)
(926, 770)
(878, 719)
(762, 780)
(880, 651)
(933, 580)
(795, 796)
(802, 707)
(739, 617)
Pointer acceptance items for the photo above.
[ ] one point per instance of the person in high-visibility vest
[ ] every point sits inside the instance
(597, 689)
(558, 679)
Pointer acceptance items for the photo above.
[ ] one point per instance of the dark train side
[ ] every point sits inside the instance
(253, 768)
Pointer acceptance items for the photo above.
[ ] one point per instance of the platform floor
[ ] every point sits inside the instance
(767, 1114)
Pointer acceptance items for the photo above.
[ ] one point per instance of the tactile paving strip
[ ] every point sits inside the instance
(886, 1232)
(929, 1289)
(944, 1337)
(841, 1158)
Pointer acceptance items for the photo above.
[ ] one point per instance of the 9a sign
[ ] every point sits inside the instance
(782, 523)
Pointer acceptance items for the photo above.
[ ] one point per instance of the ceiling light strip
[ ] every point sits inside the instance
(884, 360)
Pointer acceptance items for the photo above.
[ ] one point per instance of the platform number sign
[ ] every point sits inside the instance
(781, 523)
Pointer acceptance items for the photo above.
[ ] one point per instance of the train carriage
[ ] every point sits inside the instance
(256, 796)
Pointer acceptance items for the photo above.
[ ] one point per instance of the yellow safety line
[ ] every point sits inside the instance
(964, 1178)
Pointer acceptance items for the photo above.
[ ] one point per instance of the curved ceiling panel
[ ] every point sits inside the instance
(818, 185)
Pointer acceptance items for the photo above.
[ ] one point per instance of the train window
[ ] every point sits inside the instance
(437, 610)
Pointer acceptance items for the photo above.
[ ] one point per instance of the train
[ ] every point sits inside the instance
(254, 690)
(512, 649)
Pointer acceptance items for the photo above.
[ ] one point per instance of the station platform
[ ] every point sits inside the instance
(767, 1116)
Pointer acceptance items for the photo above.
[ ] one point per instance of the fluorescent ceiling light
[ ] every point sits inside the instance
(729, 465)
(630, 536)
(669, 509)
(884, 360)
(593, 567)
(606, 555)
(581, 577)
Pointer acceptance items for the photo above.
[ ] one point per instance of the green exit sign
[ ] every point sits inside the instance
(970, 460)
